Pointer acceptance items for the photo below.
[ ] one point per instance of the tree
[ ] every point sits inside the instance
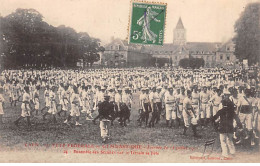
(90, 49)
(193, 63)
(22, 31)
(25, 39)
(247, 38)
(69, 45)
(184, 63)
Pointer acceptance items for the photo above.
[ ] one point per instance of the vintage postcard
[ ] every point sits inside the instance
(129, 81)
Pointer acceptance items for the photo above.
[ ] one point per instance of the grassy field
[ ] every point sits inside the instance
(45, 133)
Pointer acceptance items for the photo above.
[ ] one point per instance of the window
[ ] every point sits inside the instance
(228, 58)
(175, 57)
(119, 47)
(221, 57)
(228, 48)
(111, 47)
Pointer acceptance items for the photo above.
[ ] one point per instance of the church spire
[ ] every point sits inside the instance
(179, 24)
(179, 36)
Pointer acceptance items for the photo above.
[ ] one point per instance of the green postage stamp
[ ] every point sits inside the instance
(147, 23)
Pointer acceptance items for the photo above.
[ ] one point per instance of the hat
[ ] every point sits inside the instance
(159, 87)
(169, 87)
(127, 88)
(111, 88)
(106, 96)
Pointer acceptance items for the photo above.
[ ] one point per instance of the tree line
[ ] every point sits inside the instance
(247, 37)
(28, 41)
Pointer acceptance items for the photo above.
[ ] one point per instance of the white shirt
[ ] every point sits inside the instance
(154, 97)
(204, 97)
(118, 98)
(169, 100)
(195, 98)
(126, 99)
(216, 100)
(75, 99)
(144, 98)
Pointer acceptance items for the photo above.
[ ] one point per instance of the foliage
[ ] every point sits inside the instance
(27, 40)
(247, 38)
(193, 63)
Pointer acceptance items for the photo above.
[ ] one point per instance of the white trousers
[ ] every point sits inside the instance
(189, 118)
(1, 109)
(25, 110)
(227, 144)
(74, 110)
(171, 113)
(197, 111)
(255, 122)
(104, 130)
(205, 111)
(247, 120)
(215, 110)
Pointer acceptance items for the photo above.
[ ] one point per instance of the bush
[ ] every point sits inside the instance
(193, 63)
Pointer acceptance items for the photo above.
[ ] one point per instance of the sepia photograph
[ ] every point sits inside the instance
(129, 81)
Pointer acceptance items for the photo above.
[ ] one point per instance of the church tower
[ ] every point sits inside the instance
(179, 37)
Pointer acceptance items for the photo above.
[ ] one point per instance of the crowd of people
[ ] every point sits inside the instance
(181, 98)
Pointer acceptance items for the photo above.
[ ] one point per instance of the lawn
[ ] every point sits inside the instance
(45, 141)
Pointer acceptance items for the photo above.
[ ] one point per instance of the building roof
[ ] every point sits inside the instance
(165, 47)
(205, 47)
(170, 48)
(179, 24)
(223, 48)
(125, 44)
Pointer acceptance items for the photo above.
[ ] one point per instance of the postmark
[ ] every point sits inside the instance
(147, 23)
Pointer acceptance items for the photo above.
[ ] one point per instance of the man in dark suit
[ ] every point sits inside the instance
(227, 115)
(105, 116)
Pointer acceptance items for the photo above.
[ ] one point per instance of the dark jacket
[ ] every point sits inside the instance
(227, 115)
(105, 110)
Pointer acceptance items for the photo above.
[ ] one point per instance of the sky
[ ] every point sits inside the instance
(204, 20)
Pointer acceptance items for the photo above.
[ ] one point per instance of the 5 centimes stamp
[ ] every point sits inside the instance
(147, 23)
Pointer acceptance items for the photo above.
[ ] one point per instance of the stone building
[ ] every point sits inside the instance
(215, 54)
(119, 53)
(225, 55)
